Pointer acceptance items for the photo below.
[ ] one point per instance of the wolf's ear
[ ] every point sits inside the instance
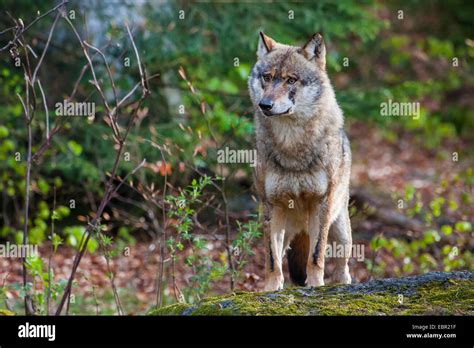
(265, 45)
(315, 49)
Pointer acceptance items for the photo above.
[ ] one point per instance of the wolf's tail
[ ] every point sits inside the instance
(298, 257)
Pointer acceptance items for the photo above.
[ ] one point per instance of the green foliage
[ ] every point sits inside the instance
(247, 233)
(43, 284)
(204, 269)
(444, 247)
(207, 44)
(74, 238)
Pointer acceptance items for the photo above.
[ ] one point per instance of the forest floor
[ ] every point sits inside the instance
(383, 165)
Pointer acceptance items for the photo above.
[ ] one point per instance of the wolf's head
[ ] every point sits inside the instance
(288, 80)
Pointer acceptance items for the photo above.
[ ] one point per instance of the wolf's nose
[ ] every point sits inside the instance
(266, 104)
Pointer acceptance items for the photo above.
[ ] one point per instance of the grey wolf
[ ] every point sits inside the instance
(303, 162)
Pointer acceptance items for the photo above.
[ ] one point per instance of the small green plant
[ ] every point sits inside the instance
(181, 212)
(242, 244)
(206, 271)
(444, 244)
(43, 284)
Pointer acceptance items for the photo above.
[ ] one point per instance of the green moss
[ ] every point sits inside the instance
(176, 309)
(429, 294)
(5, 312)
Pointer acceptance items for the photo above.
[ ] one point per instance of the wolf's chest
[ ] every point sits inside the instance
(282, 186)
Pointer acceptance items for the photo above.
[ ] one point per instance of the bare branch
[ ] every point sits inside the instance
(95, 81)
(45, 108)
(25, 109)
(136, 169)
(109, 72)
(45, 48)
(142, 75)
(21, 31)
(110, 190)
(129, 94)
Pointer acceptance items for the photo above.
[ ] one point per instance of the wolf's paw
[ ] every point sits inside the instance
(273, 284)
(315, 280)
(342, 278)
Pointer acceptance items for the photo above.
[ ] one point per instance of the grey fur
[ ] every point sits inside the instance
(303, 167)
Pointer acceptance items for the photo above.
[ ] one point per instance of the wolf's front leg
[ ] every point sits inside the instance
(314, 271)
(274, 246)
(340, 235)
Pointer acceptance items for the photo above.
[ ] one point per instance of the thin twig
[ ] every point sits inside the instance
(45, 48)
(27, 200)
(95, 82)
(159, 280)
(109, 185)
(107, 67)
(142, 75)
(20, 32)
(93, 224)
(48, 300)
(45, 108)
(28, 118)
(111, 276)
(222, 190)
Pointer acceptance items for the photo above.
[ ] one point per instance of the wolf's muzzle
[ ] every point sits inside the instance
(266, 104)
(272, 114)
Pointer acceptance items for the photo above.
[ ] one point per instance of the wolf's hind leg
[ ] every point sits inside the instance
(274, 245)
(314, 271)
(340, 234)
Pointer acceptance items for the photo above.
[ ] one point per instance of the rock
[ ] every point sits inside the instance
(434, 293)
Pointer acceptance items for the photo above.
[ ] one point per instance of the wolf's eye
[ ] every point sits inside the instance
(267, 77)
(291, 81)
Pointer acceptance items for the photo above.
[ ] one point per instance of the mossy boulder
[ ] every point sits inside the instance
(434, 293)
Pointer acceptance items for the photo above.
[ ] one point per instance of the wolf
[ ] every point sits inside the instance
(303, 162)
